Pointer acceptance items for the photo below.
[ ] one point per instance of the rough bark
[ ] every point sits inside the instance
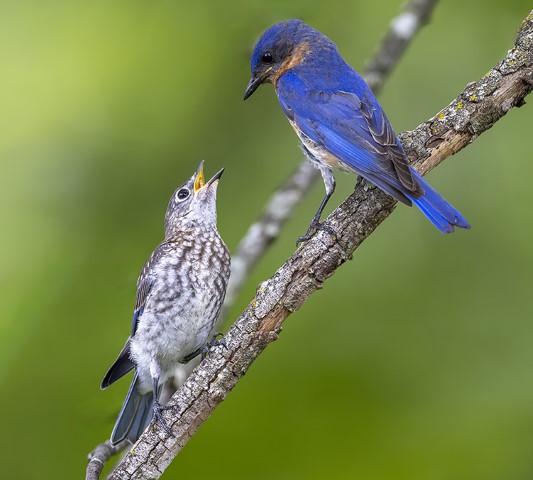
(474, 111)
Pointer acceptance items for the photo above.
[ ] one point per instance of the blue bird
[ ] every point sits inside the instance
(339, 121)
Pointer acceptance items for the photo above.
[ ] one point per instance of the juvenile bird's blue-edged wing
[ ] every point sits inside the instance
(145, 284)
(123, 364)
(143, 289)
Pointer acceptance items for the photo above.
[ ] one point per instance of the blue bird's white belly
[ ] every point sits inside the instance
(320, 155)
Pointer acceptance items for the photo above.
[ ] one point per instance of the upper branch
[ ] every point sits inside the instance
(473, 112)
(402, 30)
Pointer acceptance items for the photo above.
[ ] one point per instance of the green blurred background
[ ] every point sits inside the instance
(414, 362)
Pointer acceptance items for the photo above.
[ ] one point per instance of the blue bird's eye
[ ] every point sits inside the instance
(182, 194)
(267, 57)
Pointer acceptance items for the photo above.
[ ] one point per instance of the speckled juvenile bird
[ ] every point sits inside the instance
(180, 292)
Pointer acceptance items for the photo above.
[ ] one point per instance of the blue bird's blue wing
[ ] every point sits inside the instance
(354, 130)
(358, 134)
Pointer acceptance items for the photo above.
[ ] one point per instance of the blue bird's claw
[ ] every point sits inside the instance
(313, 228)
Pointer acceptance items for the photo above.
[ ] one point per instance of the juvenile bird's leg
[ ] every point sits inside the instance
(204, 349)
(316, 224)
(158, 408)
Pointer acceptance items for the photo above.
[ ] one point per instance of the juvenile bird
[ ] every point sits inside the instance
(338, 120)
(180, 292)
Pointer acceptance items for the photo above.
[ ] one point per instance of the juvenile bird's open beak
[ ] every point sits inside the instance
(215, 177)
(199, 181)
(255, 81)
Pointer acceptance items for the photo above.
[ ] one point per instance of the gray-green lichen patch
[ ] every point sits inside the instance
(414, 143)
(483, 87)
(516, 58)
(270, 293)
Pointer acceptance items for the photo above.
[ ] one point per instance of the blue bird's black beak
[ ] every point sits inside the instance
(255, 81)
(253, 85)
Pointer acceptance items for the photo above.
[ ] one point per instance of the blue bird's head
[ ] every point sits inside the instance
(282, 47)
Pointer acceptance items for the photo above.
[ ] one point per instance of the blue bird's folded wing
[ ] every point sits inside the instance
(358, 133)
(355, 130)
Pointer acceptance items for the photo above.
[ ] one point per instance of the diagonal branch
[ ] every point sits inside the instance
(473, 112)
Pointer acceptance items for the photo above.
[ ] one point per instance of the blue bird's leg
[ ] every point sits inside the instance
(329, 184)
(204, 349)
(158, 408)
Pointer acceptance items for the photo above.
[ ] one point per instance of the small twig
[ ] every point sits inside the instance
(473, 112)
(98, 458)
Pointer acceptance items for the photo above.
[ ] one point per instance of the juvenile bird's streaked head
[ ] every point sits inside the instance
(194, 203)
(282, 47)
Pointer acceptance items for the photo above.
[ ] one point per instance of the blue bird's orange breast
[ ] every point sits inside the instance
(297, 57)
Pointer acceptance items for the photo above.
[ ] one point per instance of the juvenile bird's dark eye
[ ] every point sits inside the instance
(267, 57)
(183, 194)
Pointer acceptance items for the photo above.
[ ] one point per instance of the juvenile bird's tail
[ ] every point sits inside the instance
(135, 415)
(437, 209)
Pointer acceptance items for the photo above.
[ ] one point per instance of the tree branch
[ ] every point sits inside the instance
(473, 112)
(402, 30)
(99, 456)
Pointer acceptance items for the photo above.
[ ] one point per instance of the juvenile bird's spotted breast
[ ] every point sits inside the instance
(185, 300)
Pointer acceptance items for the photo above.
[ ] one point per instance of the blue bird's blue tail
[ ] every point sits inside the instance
(437, 209)
(135, 415)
